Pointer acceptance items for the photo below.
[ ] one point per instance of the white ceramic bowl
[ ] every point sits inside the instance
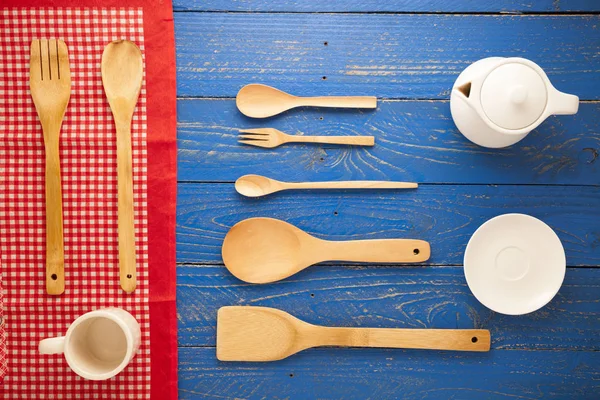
(514, 264)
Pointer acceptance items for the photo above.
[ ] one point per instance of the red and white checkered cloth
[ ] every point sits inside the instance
(89, 183)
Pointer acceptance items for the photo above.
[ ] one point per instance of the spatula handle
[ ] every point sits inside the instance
(377, 250)
(434, 339)
(340, 101)
(127, 257)
(55, 255)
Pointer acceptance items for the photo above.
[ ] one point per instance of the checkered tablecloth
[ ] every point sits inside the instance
(89, 183)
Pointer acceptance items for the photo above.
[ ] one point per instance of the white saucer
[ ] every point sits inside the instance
(514, 264)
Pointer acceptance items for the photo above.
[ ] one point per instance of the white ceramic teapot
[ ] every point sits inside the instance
(496, 101)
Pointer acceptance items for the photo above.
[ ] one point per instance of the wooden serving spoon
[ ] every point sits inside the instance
(268, 334)
(122, 74)
(257, 185)
(263, 250)
(262, 101)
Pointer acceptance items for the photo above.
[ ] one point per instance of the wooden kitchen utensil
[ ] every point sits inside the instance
(268, 334)
(257, 185)
(50, 84)
(263, 250)
(270, 138)
(262, 101)
(122, 74)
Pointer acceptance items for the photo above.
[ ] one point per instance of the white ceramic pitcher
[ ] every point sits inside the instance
(496, 101)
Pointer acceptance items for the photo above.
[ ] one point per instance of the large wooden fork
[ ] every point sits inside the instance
(50, 84)
(270, 138)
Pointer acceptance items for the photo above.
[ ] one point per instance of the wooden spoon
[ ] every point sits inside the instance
(122, 74)
(257, 185)
(263, 250)
(262, 101)
(269, 334)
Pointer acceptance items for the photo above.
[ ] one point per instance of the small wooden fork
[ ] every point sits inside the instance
(270, 138)
(50, 84)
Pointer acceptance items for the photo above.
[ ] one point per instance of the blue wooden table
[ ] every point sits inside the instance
(407, 53)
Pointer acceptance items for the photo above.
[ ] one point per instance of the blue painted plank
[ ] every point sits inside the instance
(415, 140)
(392, 297)
(430, 6)
(389, 56)
(393, 374)
(444, 215)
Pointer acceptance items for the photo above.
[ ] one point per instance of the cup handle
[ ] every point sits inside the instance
(52, 345)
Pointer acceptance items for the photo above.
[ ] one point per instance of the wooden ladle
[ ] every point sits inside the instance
(263, 250)
(262, 101)
(122, 74)
(269, 334)
(258, 185)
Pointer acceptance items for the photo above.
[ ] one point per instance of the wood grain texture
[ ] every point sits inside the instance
(391, 297)
(429, 6)
(388, 56)
(416, 141)
(393, 374)
(444, 215)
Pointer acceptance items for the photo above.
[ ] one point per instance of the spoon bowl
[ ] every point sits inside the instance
(264, 250)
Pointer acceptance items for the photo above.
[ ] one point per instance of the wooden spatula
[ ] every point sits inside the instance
(50, 84)
(268, 334)
(122, 74)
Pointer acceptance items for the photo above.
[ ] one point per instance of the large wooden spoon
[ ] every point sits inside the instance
(262, 101)
(122, 74)
(263, 250)
(258, 185)
(269, 334)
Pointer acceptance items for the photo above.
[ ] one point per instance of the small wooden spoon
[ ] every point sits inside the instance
(262, 101)
(257, 185)
(122, 74)
(269, 334)
(263, 250)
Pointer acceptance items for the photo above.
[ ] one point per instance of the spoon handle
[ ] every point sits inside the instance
(340, 101)
(377, 250)
(127, 257)
(350, 140)
(433, 339)
(352, 185)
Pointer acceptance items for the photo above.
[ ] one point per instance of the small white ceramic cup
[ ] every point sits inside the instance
(99, 344)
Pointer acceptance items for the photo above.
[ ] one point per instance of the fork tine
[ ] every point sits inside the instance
(64, 71)
(35, 69)
(254, 137)
(257, 143)
(257, 131)
(53, 58)
(44, 58)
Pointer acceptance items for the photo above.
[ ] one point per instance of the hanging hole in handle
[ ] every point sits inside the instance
(474, 339)
(54, 277)
(129, 276)
(416, 252)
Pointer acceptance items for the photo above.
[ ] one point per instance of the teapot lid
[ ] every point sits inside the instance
(513, 96)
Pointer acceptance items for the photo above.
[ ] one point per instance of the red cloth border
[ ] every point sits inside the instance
(159, 44)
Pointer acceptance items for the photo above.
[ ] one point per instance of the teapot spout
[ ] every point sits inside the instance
(562, 103)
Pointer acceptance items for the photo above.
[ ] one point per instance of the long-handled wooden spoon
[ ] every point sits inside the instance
(263, 250)
(262, 101)
(257, 185)
(50, 84)
(122, 73)
(269, 334)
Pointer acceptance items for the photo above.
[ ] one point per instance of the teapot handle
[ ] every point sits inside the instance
(560, 103)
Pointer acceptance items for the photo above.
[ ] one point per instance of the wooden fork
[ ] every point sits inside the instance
(50, 84)
(270, 138)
